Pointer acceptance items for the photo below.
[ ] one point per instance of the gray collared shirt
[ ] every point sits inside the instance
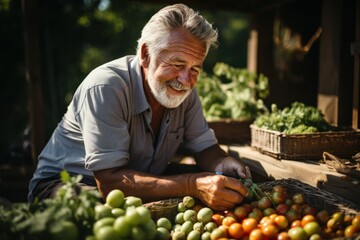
(107, 125)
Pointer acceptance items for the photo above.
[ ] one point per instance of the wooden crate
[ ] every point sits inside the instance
(230, 131)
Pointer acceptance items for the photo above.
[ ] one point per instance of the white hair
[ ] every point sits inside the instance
(156, 32)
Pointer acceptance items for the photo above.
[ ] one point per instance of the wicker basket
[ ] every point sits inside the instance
(315, 197)
(165, 208)
(304, 146)
(318, 198)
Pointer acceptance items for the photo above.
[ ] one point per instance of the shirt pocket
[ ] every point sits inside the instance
(173, 141)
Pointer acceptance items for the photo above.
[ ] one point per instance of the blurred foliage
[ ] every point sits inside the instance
(77, 36)
(233, 93)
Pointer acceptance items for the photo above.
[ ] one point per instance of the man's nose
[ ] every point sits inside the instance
(186, 78)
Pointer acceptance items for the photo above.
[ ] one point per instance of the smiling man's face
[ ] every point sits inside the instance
(173, 74)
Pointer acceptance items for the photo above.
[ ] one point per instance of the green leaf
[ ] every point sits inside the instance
(65, 176)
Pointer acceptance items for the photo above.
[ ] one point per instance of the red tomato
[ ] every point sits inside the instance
(278, 197)
(279, 188)
(264, 203)
(299, 198)
(240, 212)
(322, 217)
(269, 211)
(306, 209)
(292, 215)
(282, 208)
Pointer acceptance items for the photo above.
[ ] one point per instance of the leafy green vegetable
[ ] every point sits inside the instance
(232, 93)
(41, 219)
(296, 119)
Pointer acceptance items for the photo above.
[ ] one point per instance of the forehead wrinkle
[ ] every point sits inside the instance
(180, 60)
(191, 49)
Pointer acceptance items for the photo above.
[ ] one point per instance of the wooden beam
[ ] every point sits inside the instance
(356, 53)
(33, 74)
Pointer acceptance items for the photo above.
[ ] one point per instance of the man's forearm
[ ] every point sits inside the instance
(208, 159)
(147, 187)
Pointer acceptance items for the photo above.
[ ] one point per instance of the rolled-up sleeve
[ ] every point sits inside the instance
(105, 131)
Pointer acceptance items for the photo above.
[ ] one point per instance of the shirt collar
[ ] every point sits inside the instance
(140, 102)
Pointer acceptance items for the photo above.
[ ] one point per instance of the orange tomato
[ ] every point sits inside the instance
(269, 230)
(217, 218)
(235, 230)
(256, 234)
(227, 221)
(281, 221)
(306, 219)
(296, 223)
(249, 224)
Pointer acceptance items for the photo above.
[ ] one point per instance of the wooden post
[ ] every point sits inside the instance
(356, 52)
(33, 74)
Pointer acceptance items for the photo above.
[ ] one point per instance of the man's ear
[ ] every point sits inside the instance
(144, 57)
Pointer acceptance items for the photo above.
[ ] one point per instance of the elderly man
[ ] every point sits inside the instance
(129, 117)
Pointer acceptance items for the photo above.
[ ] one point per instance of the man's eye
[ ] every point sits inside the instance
(178, 66)
(195, 70)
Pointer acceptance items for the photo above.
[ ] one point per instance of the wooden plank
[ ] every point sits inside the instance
(310, 172)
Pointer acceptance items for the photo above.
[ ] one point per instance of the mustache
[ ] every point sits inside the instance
(177, 85)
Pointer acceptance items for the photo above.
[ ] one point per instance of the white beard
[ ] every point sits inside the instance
(159, 90)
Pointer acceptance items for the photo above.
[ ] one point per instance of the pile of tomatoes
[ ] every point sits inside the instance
(278, 215)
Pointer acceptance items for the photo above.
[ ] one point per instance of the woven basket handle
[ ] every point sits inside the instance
(340, 165)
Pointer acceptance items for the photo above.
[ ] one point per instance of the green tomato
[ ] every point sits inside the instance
(165, 223)
(137, 233)
(190, 215)
(188, 201)
(132, 201)
(144, 213)
(194, 235)
(102, 211)
(204, 215)
(117, 212)
(162, 233)
(106, 233)
(115, 198)
(65, 230)
(107, 221)
(122, 227)
(132, 216)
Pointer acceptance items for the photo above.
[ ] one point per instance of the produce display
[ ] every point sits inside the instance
(232, 93)
(296, 119)
(79, 214)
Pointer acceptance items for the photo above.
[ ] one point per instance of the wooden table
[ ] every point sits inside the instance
(306, 171)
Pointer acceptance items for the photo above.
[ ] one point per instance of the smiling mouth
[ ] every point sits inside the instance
(178, 87)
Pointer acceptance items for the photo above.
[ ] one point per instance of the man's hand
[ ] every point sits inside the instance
(215, 159)
(233, 167)
(217, 191)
